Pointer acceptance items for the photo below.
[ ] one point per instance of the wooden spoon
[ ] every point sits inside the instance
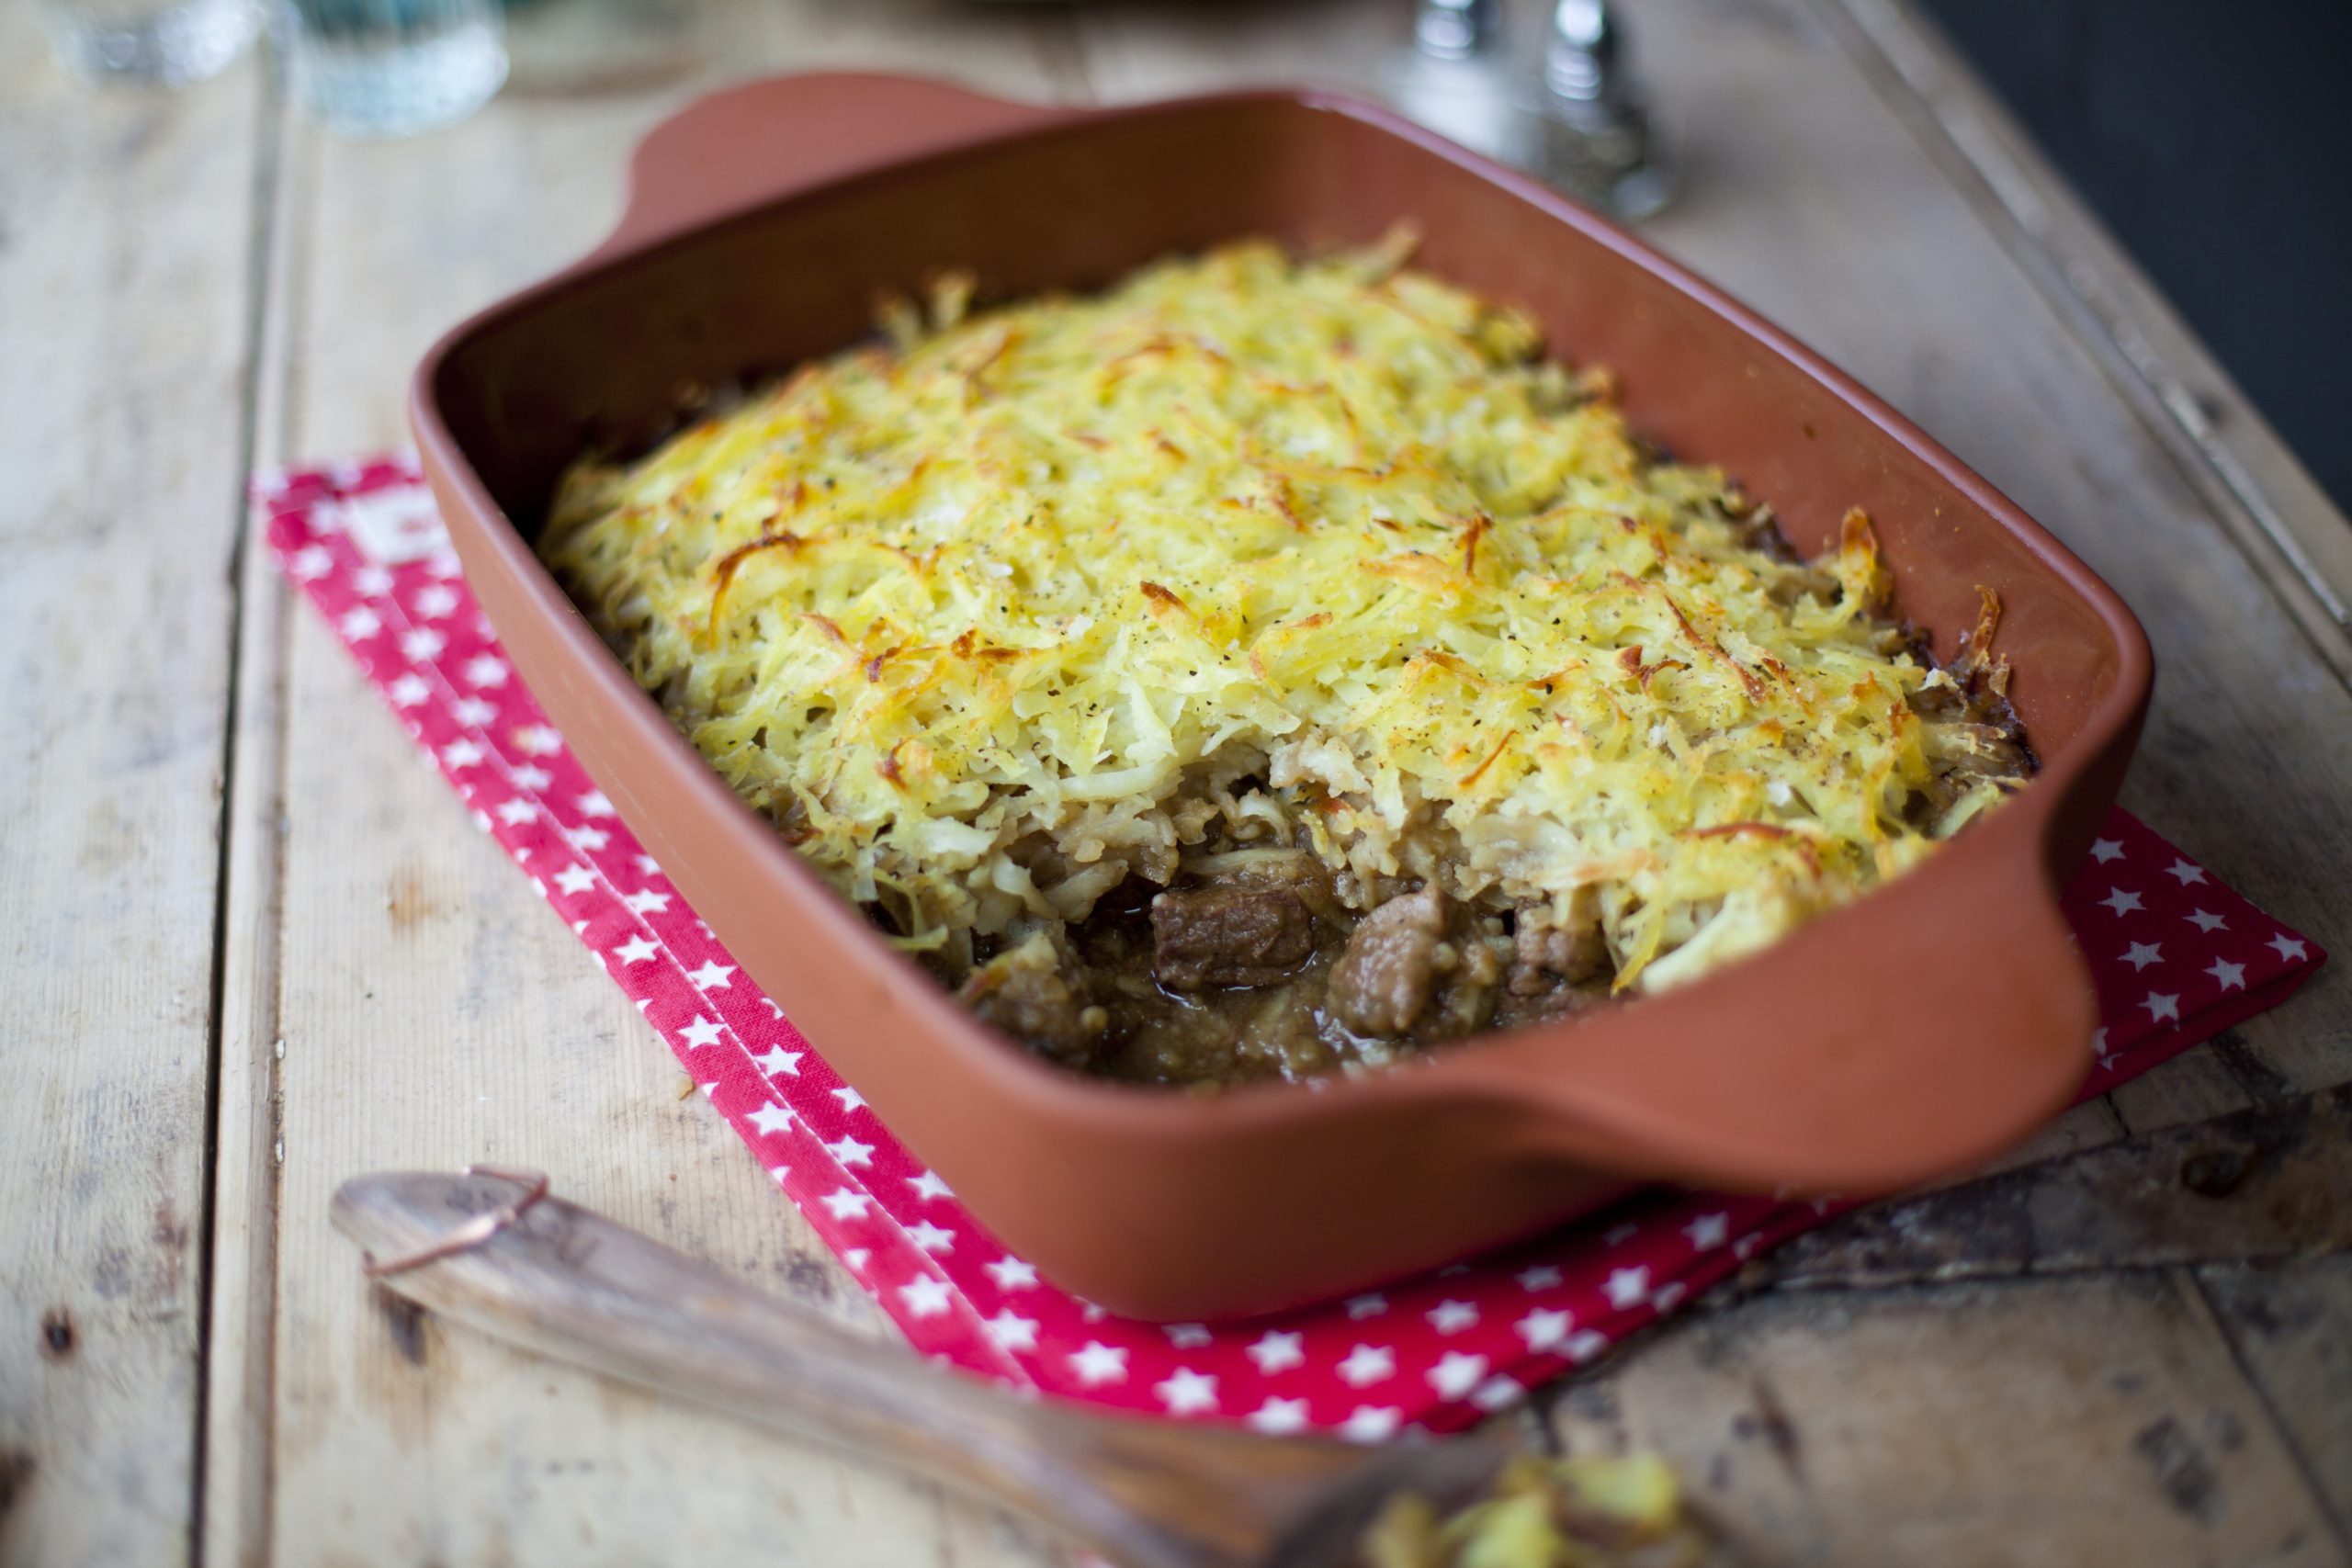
(569, 1283)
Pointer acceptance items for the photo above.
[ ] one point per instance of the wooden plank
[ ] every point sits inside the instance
(433, 1012)
(1159, 48)
(2261, 1184)
(121, 434)
(2050, 1422)
(2291, 1321)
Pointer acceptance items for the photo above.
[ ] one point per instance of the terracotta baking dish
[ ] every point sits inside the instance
(1914, 1032)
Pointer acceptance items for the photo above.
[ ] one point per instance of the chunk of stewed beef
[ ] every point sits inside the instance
(1415, 968)
(1236, 932)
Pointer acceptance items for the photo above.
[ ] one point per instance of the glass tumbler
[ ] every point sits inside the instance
(162, 43)
(390, 67)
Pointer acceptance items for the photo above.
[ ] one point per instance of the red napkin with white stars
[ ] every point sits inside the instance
(2178, 957)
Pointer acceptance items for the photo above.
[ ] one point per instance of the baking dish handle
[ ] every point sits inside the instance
(1949, 1014)
(745, 145)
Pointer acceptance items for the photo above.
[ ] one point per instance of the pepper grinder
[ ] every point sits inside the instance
(1454, 79)
(1586, 127)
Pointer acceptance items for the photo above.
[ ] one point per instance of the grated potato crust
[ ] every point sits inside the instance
(1253, 549)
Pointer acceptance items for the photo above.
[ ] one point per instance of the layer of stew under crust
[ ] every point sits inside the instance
(1273, 664)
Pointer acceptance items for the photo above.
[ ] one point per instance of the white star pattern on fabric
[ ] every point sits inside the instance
(1187, 1335)
(461, 754)
(1542, 1330)
(637, 950)
(2098, 1043)
(473, 711)
(930, 1237)
(1363, 1306)
(1368, 1424)
(516, 812)
(1456, 1373)
(587, 840)
(2207, 923)
(1010, 1331)
(1451, 1317)
(925, 1296)
(1368, 1364)
(1708, 1231)
(2119, 901)
(850, 1100)
(1278, 1417)
(702, 1032)
(646, 902)
(648, 866)
(2188, 872)
(1665, 1295)
(711, 975)
(1276, 1352)
(2141, 955)
(1010, 1272)
(310, 562)
(1497, 1393)
(2288, 948)
(530, 777)
(846, 1203)
(537, 740)
(408, 691)
(850, 1151)
(2231, 977)
(778, 1062)
(2162, 1008)
(435, 600)
(770, 1118)
(358, 625)
(1585, 1343)
(1626, 1287)
(1187, 1392)
(2106, 850)
(575, 879)
(422, 643)
(372, 580)
(1541, 1277)
(1098, 1364)
(593, 804)
(928, 1186)
(484, 671)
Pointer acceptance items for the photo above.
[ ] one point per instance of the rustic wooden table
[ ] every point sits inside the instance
(253, 948)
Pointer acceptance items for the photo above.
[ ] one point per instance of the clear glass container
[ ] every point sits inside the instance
(393, 67)
(161, 43)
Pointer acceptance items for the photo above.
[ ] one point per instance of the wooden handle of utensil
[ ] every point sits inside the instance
(763, 139)
(566, 1282)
